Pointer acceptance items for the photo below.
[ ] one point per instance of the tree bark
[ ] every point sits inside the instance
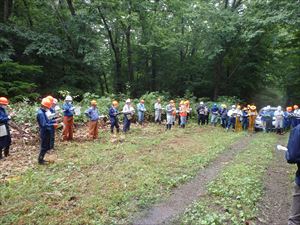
(28, 13)
(7, 9)
(71, 7)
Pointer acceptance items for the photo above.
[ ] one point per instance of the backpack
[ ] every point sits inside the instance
(293, 153)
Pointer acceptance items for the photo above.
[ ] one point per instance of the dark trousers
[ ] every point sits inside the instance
(294, 218)
(245, 124)
(231, 123)
(201, 119)
(224, 122)
(126, 126)
(6, 151)
(114, 124)
(269, 124)
(206, 119)
(45, 146)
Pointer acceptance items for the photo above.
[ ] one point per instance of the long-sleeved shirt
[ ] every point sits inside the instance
(3, 116)
(169, 109)
(128, 109)
(141, 107)
(113, 112)
(92, 113)
(201, 109)
(157, 107)
(68, 109)
(279, 115)
(45, 124)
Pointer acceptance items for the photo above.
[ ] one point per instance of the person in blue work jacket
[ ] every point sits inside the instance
(224, 117)
(267, 117)
(245, 118)
(93, 114)
(68, 121)
(45, 126)
(293, 157)
(287, 118)
(113, 117)
(214, 114)
(141, 112)
(52, 116)
(5, 138)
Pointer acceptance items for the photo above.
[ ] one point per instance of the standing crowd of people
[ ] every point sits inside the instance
(236, 118)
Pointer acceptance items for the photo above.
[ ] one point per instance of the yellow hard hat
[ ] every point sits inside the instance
(115, 103)
(93, 102)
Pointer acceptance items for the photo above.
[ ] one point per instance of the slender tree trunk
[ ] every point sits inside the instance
(28, 13)
(105, 82)
(71, 7)
(153, 70)
(129, 54)
(7, 9)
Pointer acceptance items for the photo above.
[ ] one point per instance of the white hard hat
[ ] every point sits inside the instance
(268, 107)
(233, 106)
(279, 108)
(128, 100)
(68, 98)
(55, 101)
(201, 103)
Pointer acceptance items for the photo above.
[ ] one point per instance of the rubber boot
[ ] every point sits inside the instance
(6, 151)
(112, 131)
(118, 130)
(170, 126)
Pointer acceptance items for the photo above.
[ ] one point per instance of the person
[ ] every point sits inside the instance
(214, 114)
(296, 116)
(188, 109)
(224, 117)
(245, 118)
(113, 117)
(45, 126)
(68, 120)
(287, 118)
(279, 115)
(169, 112)
(93, 114)
(252, 117)
(174, 112)
(231, 118)
(238, 119)
(201, 113)
(141, 112)
(183, 114)
(128, 112)
(5, 138)
(206, 115)
(267, 117)
(293, 157)
(52, 115)
(157, 111)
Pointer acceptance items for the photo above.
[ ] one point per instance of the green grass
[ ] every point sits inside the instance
(105, 183)
(232, 197)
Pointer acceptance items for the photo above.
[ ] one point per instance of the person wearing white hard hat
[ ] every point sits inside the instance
(128, 112)
(157, 111)
(232, 113)
(279, 116)
(68, 121)
(201, 113)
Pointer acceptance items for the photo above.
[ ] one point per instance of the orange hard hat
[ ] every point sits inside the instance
(50, 98)
(289, 109)
(93, 102)
(296, 107)
(3, 101)
(142, 101)
(115, 103)
(46, 102)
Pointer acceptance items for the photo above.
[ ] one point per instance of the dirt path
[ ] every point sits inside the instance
(165, 212)
(275, 206)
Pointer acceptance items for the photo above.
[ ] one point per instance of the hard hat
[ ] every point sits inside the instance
(201, 103)
(46, 102)
(215, 104)
(268, 107)
(253, 107)
(248, 106)
(239, 107)
(128, 100)
(224, 106)
(181, 103)
(3, 101)
(158, 99)
(172, 101)
(55, 101)
(50, 98)
(93, 102)
(142, 101)
(289, 109)
(296, 107)
(279, 108)
(233, 106)
(68, 98)
(115, 103)
(187, 102)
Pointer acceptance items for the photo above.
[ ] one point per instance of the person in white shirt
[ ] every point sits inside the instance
(158, 111)
(128, 112)
(279, 116)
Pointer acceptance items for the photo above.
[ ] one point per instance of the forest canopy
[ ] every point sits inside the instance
(210, 48)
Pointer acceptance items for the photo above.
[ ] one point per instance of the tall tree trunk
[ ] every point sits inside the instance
(129, 54)
(105, 82)
(71, 7)
(153, 70)
(7, 9)
(28, 13)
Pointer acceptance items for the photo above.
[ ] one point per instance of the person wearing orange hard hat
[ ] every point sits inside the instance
(113, 117)
(296, 116)
(183, 114)
(45, 126)
(53, 116)
(5, 138)
(252, 117)
(287, 118)
(93, 114)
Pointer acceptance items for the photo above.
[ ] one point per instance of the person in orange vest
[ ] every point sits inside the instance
(5, 138)
(68, 121)
(45, 126)
(252, 117)
(93, 114)
(183, 114)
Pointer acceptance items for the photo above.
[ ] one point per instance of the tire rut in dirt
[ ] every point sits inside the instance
(275, 205)
(167, 211)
